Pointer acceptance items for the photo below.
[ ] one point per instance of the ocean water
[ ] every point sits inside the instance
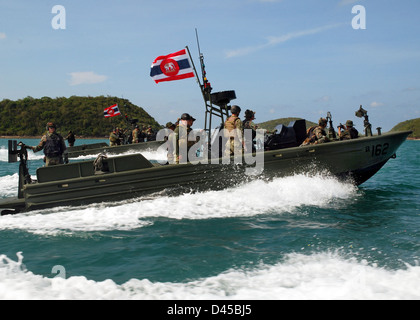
(299, 237)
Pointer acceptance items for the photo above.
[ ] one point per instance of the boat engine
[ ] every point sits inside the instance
(287, 137)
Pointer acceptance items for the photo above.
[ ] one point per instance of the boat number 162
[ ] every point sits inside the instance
(378, 150)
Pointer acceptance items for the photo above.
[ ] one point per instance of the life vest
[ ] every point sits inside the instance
(113, 137)
(230, 123)
(53, 147)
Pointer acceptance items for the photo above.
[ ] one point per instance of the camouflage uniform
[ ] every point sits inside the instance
(70, 139)
(136, 134)
(178, 141)
(350, 132)
(235, 130)
(54, 147)
(320, 135)
(250, 125)
(114, 138)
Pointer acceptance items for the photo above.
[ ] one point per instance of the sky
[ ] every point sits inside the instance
(283, 58)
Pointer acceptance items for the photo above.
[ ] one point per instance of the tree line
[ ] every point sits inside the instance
(409, 125)
(82, 115)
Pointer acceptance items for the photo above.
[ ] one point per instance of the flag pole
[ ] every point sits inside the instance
(195, 71)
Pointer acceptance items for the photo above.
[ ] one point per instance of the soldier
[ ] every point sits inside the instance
(171, 126)
(70, 138)
(248, 123)
(234, 132)
(320, 133)
(53, 145)
(180, 138)
(114, 138)
(349, 132)
(317, 134)
(136, 134)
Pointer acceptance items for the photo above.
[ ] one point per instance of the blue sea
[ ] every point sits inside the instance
(299, 237)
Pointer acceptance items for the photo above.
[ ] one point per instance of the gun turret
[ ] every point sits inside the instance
(331, 131)
(368, 127)
(14, 153)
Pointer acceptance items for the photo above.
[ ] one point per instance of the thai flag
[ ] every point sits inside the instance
(112, 111)
(174, 66)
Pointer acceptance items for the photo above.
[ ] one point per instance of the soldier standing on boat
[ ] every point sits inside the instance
(249, 124)
(180, 142)
(136, 134)
(114, 138)
(233, 132)
(70, 138)
(171, 126)
(53, 145)
(348, 132)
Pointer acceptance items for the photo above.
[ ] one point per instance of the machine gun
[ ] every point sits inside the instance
(22, 154)
(331, 131)
(368, 127)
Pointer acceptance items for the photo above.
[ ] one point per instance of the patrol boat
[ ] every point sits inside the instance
(133, 176)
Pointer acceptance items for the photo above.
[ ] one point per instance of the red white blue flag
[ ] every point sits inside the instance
(174, 66)
(112, 111)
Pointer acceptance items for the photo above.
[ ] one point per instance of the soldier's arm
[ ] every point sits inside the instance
(41, 145)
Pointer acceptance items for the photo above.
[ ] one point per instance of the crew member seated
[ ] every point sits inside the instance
(317, 135)
(348, 132)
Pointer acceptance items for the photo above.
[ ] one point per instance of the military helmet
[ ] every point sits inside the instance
(322, 122)
(235, 109)
(169, 124)
(51, 125)
(249, 114)
(186, 116)
(349, 123)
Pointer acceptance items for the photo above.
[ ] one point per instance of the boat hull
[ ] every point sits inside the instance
(133, 176)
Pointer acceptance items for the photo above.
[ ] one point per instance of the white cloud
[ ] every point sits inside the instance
(375, 104)
(323, 99)
(272, 41)
(87, 77)
(2, 36)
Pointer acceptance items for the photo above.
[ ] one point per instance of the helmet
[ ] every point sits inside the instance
(349, 123)
(249, 114)
(186, 116)
(322, 121)
(51, 125)
(235, 109)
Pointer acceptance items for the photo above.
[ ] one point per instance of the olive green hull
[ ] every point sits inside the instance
(133, 176)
